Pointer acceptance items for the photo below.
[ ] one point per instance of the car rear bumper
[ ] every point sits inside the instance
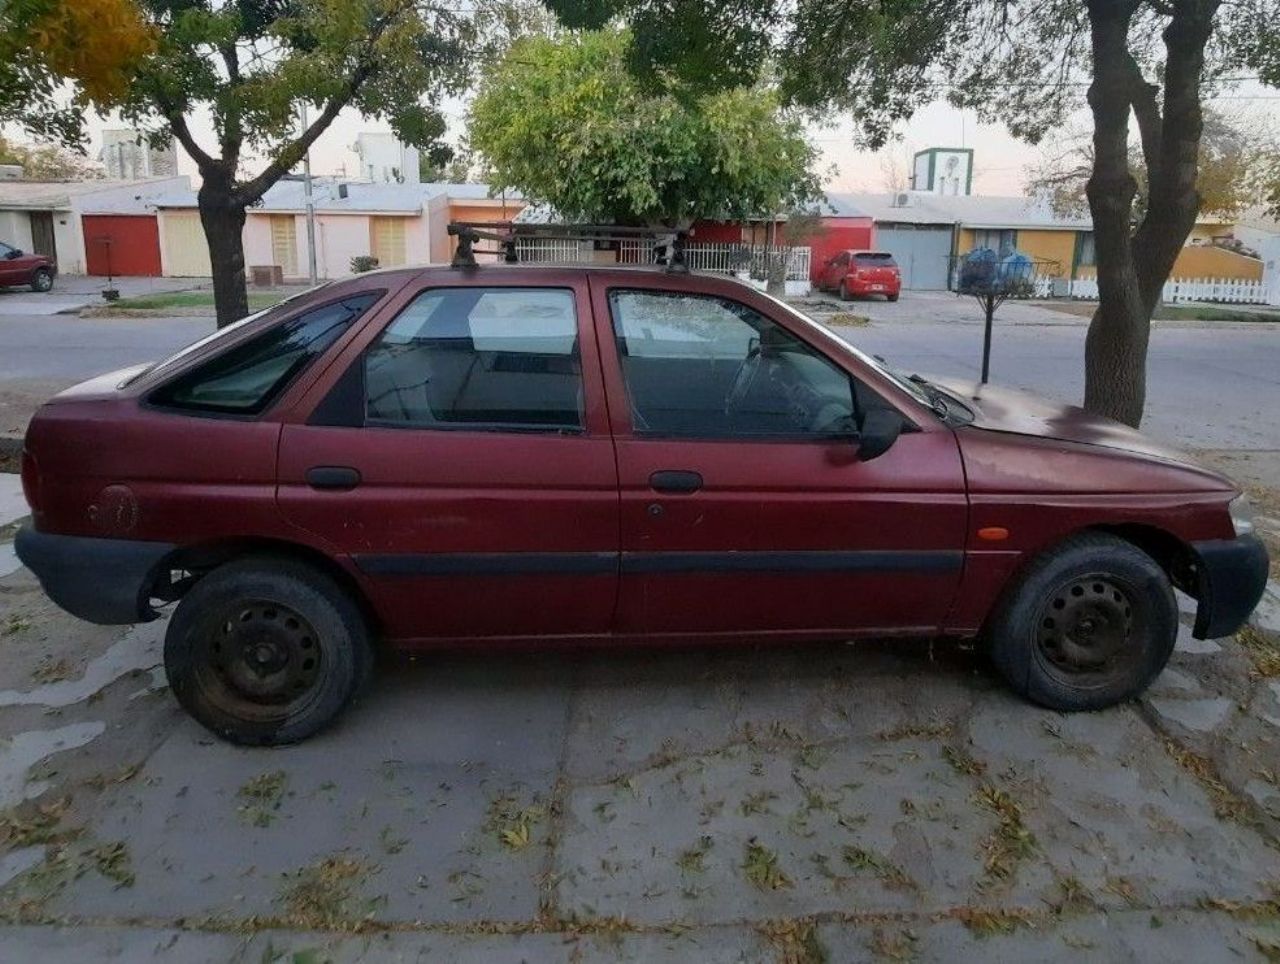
(1232, 575)
(872, 287)
(104, 581)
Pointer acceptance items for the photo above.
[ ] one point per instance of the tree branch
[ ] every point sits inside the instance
(1146, 109)
(178, 124)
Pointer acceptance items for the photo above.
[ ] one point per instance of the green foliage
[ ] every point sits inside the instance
(566, 122)
(362, 263)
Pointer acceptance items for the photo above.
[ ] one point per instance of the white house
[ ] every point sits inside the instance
(68, 220)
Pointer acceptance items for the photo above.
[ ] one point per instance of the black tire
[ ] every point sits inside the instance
(266, 651)
(844, 292)
(892, 297)
(42, 280)
(1089, 624)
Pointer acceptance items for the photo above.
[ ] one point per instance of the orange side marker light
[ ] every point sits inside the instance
(993, 533)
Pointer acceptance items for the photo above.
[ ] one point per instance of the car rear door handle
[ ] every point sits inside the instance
(671, 480)
(340, 477)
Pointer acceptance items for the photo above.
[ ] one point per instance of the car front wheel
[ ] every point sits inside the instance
(42, 280)
(844, 291)
(265, 652)
(1089, 624)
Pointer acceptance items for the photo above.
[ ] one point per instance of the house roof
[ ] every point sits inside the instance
(970, 211)
(57, 195)
(289, 197)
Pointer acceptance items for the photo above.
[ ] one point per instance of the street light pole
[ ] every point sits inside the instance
(311, 208)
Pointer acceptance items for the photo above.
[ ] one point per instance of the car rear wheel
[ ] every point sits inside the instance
(41, 280)
(1090, 624)
(893, 297)
(266, 652)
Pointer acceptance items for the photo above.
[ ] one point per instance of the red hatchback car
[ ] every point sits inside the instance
(517, 454)
(861, 274)
(18, 267)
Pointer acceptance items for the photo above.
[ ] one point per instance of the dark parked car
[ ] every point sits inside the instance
(513, 454)
(17, 267)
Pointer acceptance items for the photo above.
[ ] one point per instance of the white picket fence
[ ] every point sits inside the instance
(1225, 290)
(723, 257)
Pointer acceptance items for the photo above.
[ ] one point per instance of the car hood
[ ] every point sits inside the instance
(1022, 413)
(107, 385)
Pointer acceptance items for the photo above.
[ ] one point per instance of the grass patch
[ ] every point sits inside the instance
(26, 825)
(321, 896)
(760, 865)
(1262, 650)
(888, 873)
(262, 797)
(112, 860)
(986, 923)
(916, 731)
(690, 861)
(1225, 802)
(511, 823)
(796, 941)
(962, 762)
(52, 670)
(192, 299)
(1011, 841)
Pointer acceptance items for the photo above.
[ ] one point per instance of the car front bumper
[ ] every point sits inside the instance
(1231, 577)
(104, 581)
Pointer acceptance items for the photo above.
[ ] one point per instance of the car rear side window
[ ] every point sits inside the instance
(498, 359)
(247, 378)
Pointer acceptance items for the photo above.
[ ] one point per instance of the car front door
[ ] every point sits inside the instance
(462, 461)
(9, 265)
(746, 509)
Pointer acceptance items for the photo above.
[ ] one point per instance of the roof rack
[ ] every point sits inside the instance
(668, 246)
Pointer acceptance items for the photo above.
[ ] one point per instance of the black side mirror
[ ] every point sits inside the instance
(14, 253)
(880, 429)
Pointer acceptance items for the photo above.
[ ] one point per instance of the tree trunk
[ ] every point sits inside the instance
(1115, 351)
(222, 216)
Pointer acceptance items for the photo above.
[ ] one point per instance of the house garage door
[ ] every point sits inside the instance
(921, 250)
(186, 252)
(122, 244)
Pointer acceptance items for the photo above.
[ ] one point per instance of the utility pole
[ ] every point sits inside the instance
(311, 208)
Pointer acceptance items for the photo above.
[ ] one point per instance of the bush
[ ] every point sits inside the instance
(362, 263)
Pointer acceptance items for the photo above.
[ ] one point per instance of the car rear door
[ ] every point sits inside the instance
(458, 454)
(746, 509)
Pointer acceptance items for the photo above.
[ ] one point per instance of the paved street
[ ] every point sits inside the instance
(884, 801)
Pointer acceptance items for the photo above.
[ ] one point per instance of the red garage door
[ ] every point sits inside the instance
(122, 244)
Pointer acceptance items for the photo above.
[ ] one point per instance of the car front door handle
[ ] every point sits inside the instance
(337, 477)
(672, 480)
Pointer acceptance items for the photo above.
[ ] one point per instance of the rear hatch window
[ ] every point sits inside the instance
(874, 260)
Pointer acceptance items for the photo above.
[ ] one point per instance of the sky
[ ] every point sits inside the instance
(1000, 162)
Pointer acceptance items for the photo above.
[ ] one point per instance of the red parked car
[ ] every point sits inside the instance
(17, 267)
(437, 457)
(861, 274)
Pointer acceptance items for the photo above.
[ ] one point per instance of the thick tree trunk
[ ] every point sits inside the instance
(222, 215)
(1132, 268)
(1115, 352)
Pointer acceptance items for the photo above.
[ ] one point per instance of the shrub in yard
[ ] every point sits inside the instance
(362, 263)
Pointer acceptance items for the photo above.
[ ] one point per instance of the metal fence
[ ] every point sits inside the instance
(726, 258)
(1224, 290)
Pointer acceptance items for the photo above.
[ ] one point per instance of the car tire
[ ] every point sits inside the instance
(844, 292)
(266, 651)
(892, 297)
(42, 280)
(1089, 624)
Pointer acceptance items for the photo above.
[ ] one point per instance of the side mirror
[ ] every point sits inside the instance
(14, 253)
(880, 429)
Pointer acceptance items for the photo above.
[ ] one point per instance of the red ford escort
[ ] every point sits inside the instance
(517, 454)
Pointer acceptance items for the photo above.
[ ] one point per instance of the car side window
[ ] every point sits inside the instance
(699, 366)
(247, 378)
(498, 359)
(5, 250)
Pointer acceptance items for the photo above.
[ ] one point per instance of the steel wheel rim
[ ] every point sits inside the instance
(44, 281)
(1087, 632)
(260, 661)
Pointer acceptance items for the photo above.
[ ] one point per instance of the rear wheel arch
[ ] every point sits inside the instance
(202, 558)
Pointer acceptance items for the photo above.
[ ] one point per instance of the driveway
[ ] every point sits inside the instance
(884, 801)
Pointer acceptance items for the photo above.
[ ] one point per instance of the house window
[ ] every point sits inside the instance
(1003, 241)
(1088, 257)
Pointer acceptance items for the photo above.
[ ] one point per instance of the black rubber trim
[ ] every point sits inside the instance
(104, 581)
(1232, 575)
(577, 563)
(487, 563)
(873, 560)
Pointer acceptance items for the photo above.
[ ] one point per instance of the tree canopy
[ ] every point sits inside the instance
(565, 121)
(47, 162)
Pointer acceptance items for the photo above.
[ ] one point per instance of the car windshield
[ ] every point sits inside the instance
(280, 308)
